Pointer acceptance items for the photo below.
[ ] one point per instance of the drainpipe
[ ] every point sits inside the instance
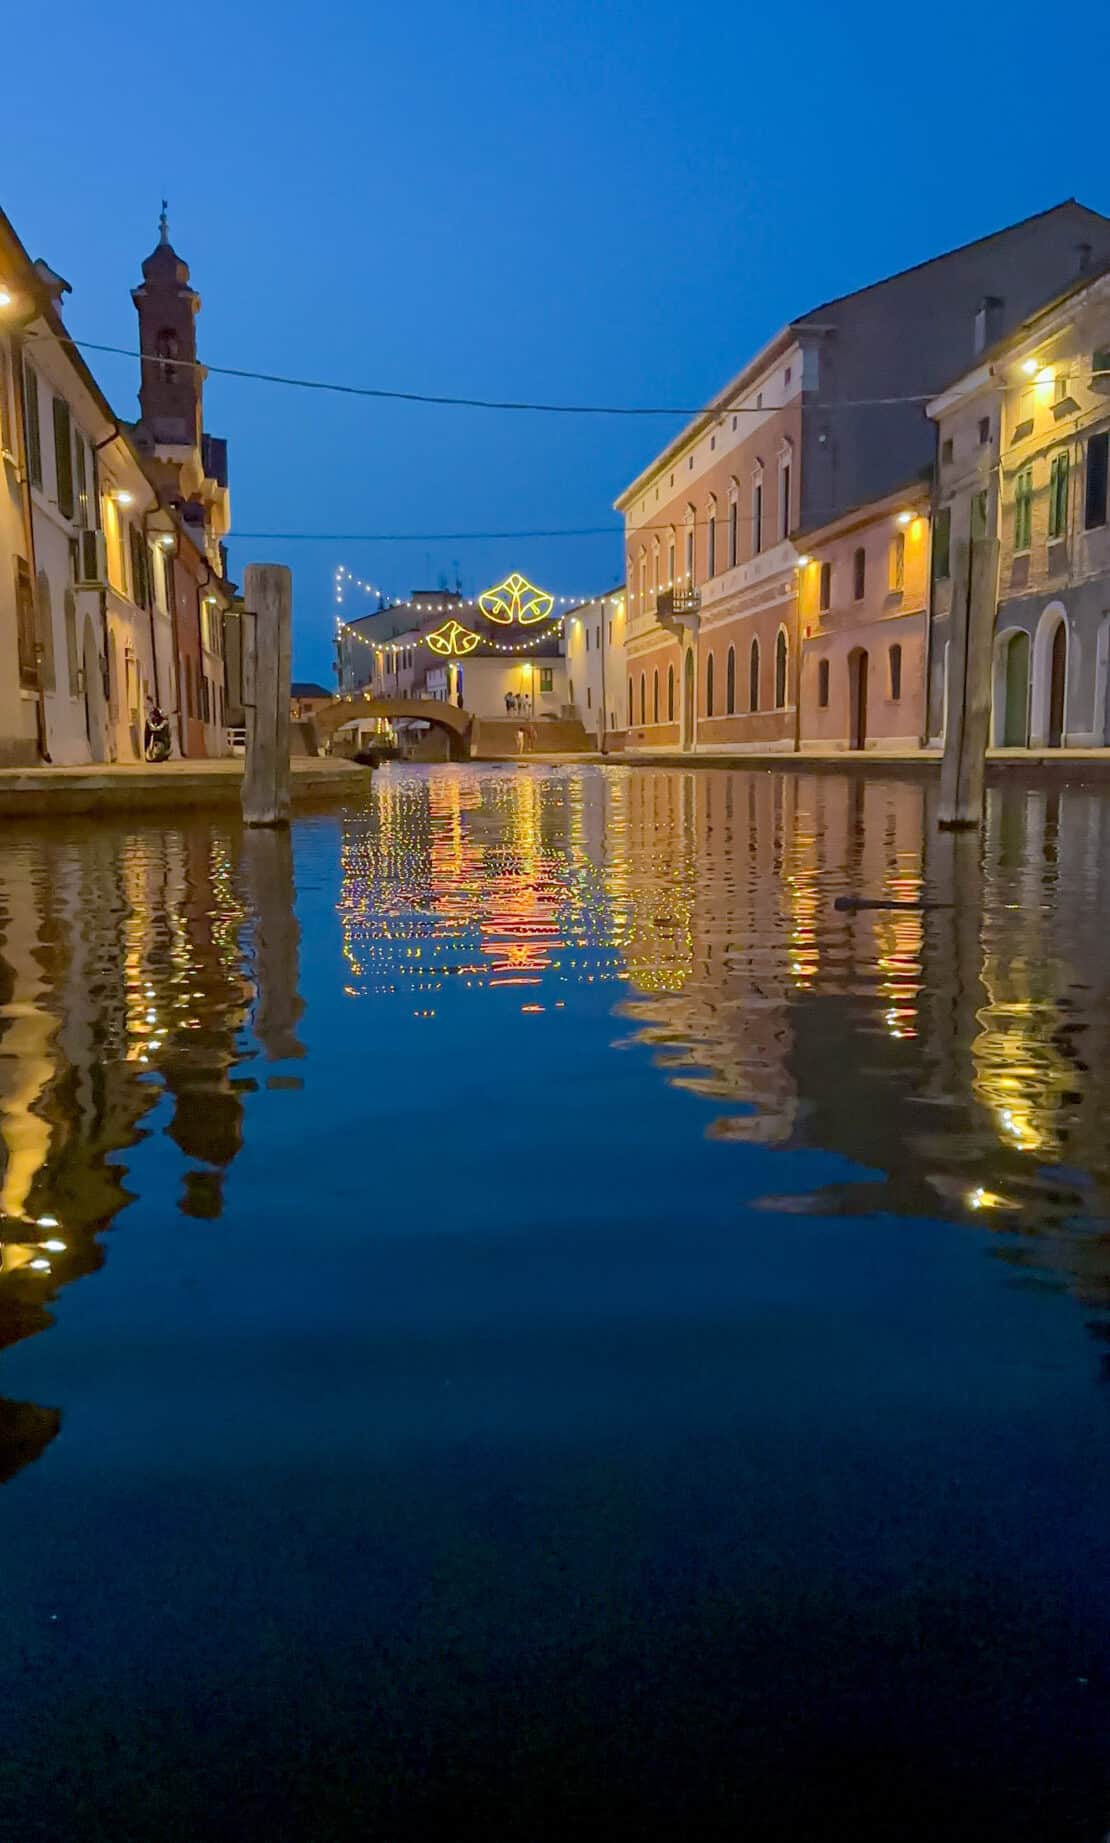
(797, 661)
(27, 508)
(602, 731)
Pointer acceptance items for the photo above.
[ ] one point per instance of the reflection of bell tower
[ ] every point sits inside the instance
(172, 382)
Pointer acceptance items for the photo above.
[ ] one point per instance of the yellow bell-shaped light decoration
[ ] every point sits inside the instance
(516, 599)
(452, 640)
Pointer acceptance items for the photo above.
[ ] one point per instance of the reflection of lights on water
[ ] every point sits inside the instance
(981, 1198)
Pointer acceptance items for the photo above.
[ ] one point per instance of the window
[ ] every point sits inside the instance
(670, 694)
(670, 565)
(979, 514)
(589, 699)
(690, 553)
(82, 482)
(946, 452)
(31, 430)
(942, 544)
(984, 430)
(784, 500)
(824, 587)
(1097, 455)
(547, 678)
(823, 684)
(1100, 361)
(898, 562)
(25, 623)
(630, 703)
(730, 681)
(895, 661)
(780, 671)
(711, 545)
(1058, 494)
(587, 639)
(786, 377)
(753, 676)
(655, 696)
(140, 585)
(733, 533)
(63, 457)
(1023, 510)
(643, 697)
(757, 518)
(597, 636)
(1060, 390)
(859, 573)
(709, 686)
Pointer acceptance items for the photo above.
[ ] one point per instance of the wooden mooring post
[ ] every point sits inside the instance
(267, 652)
(970, 663)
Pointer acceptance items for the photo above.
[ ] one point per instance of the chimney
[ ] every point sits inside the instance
(988, 322)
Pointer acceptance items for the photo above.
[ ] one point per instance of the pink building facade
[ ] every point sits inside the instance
(862, 608)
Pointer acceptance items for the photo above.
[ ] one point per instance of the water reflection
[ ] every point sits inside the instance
(128, 970)
(956, 1055)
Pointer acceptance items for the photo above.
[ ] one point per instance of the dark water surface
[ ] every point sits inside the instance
(569, 1335)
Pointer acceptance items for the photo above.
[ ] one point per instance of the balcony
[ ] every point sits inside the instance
(679, 609)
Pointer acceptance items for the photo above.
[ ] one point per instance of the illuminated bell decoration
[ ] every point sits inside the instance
(452, 639)
(516, 599)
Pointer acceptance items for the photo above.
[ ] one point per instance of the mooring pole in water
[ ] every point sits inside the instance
(267, 628)
(970, 658)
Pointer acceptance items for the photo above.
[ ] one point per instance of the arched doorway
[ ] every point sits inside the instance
(688, 700)
(1057, 686)
(94, 696)
(1011, 691)
(857, 698)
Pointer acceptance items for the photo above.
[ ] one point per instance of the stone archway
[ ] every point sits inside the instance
(1010, 700)
(1052, 662)
(457, 723)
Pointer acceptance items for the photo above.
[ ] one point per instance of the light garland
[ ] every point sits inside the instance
(395, 646)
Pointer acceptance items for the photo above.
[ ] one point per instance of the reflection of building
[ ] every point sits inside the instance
(125, 976)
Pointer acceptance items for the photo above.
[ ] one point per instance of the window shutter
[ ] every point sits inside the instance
(1097, 456)
(31, 430)
(25, 623)
(139, 582)
(82, 476)
(63, 456)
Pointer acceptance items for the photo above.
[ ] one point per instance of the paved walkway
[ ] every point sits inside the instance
(1077, 764)
(110, 787)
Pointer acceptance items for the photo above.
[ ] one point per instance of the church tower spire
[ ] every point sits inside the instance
(170, 392)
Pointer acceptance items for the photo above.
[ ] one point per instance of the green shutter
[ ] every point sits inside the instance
(63, 456)
(31, 430)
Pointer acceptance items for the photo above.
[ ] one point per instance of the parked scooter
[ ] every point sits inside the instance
(156, 736)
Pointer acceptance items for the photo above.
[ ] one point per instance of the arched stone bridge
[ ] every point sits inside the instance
(330, 717)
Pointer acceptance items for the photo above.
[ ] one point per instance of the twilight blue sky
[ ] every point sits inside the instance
(564, 199)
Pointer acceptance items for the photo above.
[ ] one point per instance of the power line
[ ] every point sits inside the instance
(379, 393)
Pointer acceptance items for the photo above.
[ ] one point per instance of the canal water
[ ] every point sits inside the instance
(520, 1316)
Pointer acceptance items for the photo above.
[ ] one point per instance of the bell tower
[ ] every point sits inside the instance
(171, 388)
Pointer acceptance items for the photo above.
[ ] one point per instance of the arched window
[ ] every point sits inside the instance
(630, 703)
(670, 694)
(753, 676)
(730, 681)
(655, 695)
(709, 686)
(895, 672)
(167, 347)
(643, 697)
(780, 670)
